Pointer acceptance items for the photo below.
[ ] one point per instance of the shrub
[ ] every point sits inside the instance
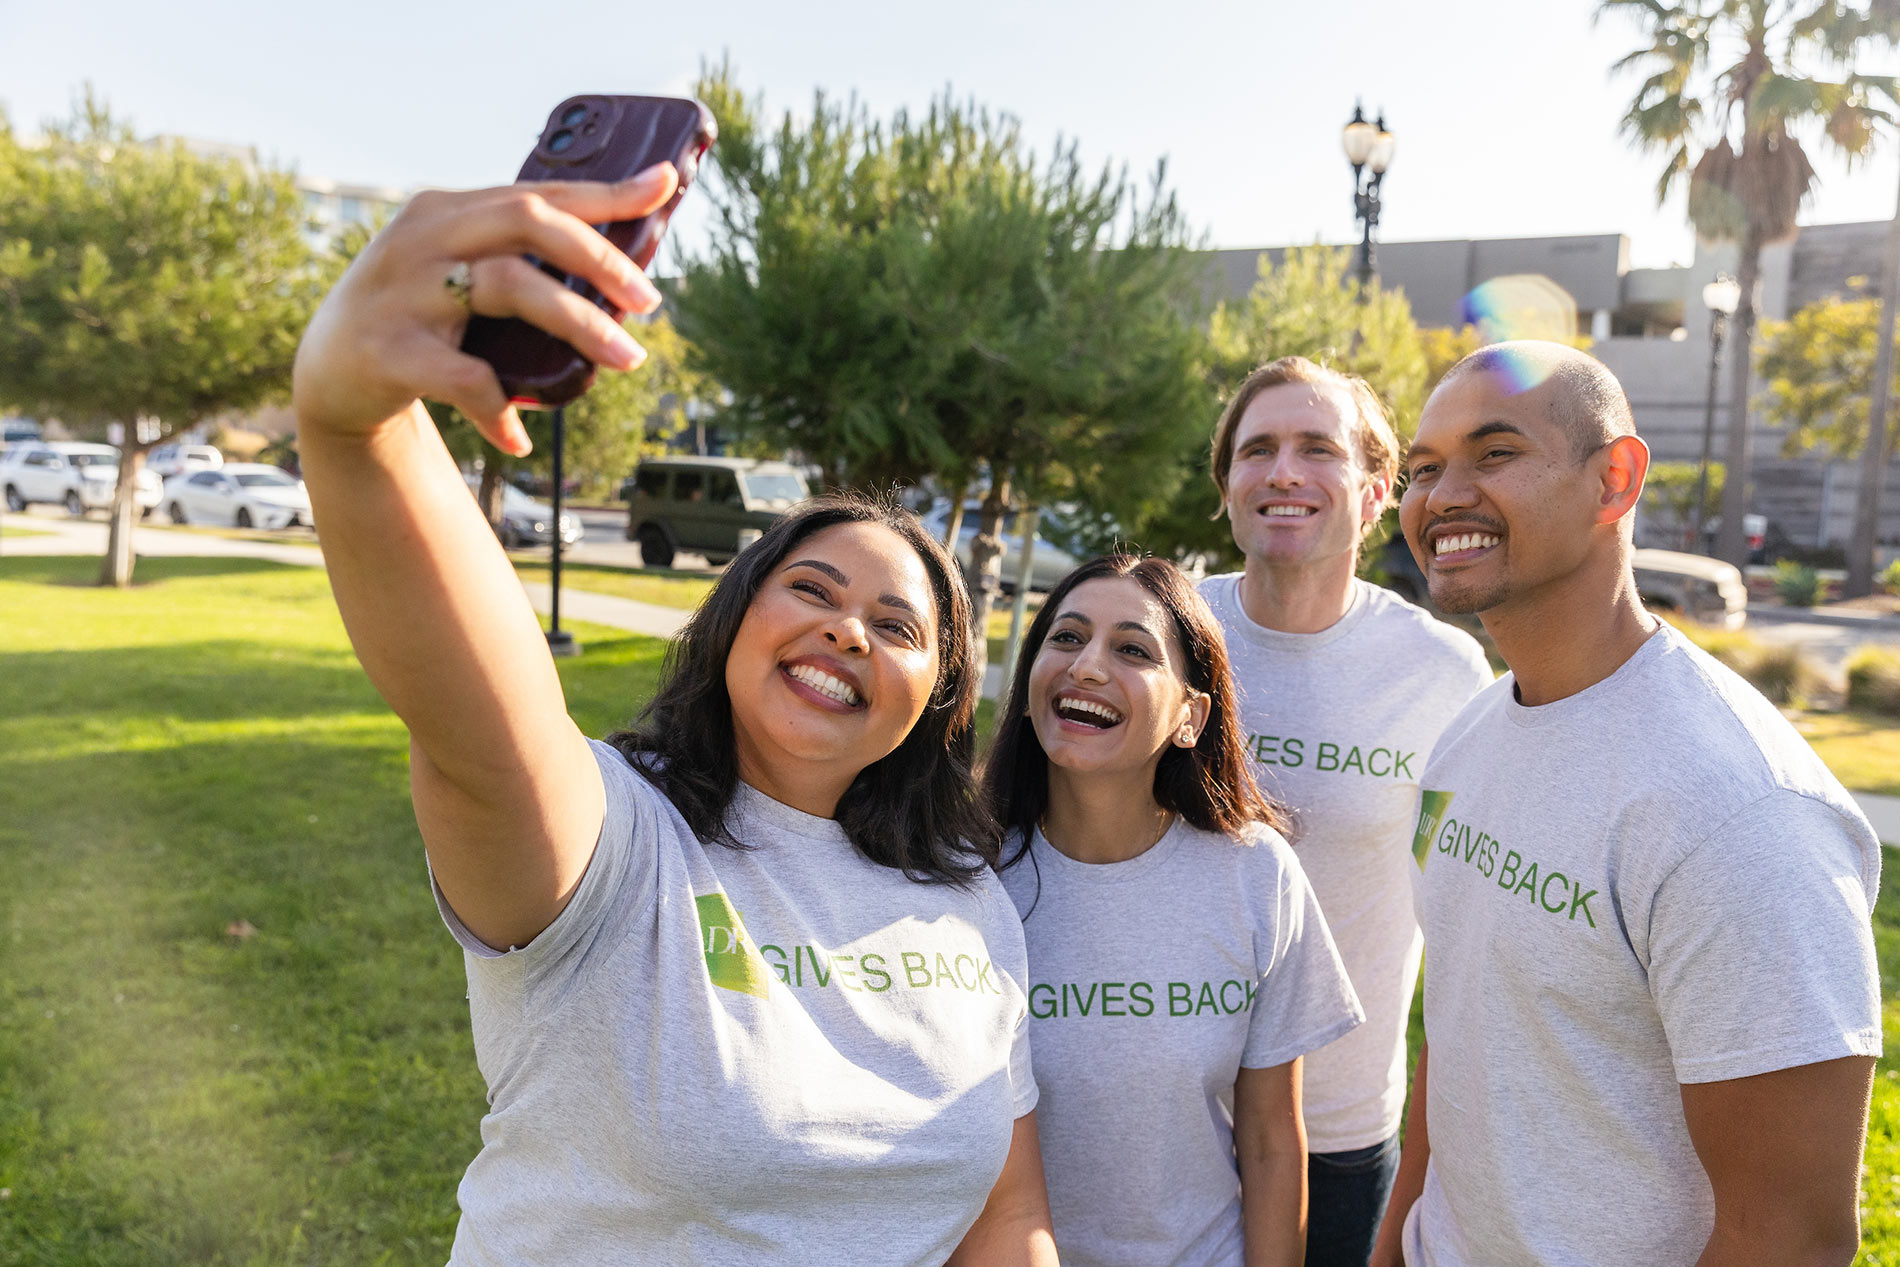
(1782, 674)
(1873, 681)
(1890, 579)
(1797, 584)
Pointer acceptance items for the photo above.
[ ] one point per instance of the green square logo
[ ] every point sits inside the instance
(732, 961)
(1431, 814)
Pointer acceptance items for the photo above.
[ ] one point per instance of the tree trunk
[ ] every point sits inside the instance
(953, 527)
(1028, 523)
(116, 568)
(1873, 458)
(488, 496)
(1731, 544)
(986, 567)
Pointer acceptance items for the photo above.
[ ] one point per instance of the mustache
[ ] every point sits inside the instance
(1468, 522)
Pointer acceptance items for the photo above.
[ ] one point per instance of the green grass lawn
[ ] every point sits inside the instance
(659, 586)
(199, 750)
(203, 749)
(1862, 749)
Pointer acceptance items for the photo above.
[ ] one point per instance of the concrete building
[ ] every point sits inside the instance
(1650, 327)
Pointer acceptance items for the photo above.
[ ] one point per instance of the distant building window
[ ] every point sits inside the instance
(352, 211)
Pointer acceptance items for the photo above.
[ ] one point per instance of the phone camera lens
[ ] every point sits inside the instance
(561, 142)
(573, 116)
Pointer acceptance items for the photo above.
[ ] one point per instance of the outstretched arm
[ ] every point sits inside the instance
(506, 792)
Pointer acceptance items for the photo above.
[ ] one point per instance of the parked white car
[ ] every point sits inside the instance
(1049, 564)
(80, 477)
(176, 459)
(524, 521)
(245, 494)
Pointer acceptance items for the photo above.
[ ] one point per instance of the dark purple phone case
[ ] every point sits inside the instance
(592, 137)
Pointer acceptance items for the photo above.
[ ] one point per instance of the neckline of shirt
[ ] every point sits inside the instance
(752, 809)
(1592, 696)
(1237, 621)
(1147, 860)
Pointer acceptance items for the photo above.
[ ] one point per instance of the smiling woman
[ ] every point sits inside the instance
(1156, 889)
(742, 984)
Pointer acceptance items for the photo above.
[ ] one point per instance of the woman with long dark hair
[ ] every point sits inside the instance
(744, 987)
(1179, 965)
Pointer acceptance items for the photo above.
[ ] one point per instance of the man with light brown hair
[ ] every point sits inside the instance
(1344, 688)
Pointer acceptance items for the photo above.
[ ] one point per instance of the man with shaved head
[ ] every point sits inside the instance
(1651, 1003)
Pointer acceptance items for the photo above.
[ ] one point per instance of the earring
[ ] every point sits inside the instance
(1185, 737)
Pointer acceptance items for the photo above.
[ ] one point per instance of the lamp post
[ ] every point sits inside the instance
(560, 641)
(1369, 148)
(1721, 297)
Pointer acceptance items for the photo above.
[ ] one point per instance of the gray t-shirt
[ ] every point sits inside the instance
(784, 1054)
(1339, 724)
(1152, 982)
(1649, 883)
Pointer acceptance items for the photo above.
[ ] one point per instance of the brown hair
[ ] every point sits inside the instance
(914, 809)
(1209, 784)
(1372, 430)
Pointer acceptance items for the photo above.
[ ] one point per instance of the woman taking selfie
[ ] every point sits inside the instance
(1179, 965)
(741, 988)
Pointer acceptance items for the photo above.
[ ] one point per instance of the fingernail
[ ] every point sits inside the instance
(651, 176)
(645, 290)
(516, 435)
(622, 352)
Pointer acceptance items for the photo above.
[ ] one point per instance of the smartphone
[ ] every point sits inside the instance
(592, 137)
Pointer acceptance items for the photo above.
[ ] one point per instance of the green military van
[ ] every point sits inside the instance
(711, 506)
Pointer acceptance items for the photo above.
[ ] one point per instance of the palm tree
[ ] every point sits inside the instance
(1730, 85)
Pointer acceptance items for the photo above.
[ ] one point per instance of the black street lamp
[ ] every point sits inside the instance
(560, 641)
(1721, 297)
(1369, 148)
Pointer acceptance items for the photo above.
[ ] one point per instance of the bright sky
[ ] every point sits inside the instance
(1504, 110)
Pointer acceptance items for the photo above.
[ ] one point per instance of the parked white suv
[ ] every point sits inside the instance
(175, 459)
(80, 477)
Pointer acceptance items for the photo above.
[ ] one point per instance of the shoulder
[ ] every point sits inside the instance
(1218, 590)
(1254, 858)
(1429, 644)
(1473, 719)
(1697, 706)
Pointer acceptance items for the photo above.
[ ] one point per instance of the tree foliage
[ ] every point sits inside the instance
(1734, 94)
(141, 281)
(1669, 492)
(924, 297)
(1307, 306)
(1818, 367)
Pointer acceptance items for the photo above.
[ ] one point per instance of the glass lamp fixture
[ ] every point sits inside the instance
(1723, 295)
(1359, 138)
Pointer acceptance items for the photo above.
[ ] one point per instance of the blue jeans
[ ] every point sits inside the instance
(1345, 1199)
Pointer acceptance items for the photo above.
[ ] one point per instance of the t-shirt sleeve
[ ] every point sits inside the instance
(1303, 998)
(1010, 953)
(617, 887)
(1760, 950)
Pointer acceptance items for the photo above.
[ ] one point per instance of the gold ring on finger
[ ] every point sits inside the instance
(459, 283)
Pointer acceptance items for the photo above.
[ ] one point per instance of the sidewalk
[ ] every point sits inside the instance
(87, 536)
(1884, 813)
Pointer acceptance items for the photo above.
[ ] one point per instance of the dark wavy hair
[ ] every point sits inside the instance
(915, 809)
(1209, 784)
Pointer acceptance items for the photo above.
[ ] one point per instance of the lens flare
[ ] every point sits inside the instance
(1522, 306)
